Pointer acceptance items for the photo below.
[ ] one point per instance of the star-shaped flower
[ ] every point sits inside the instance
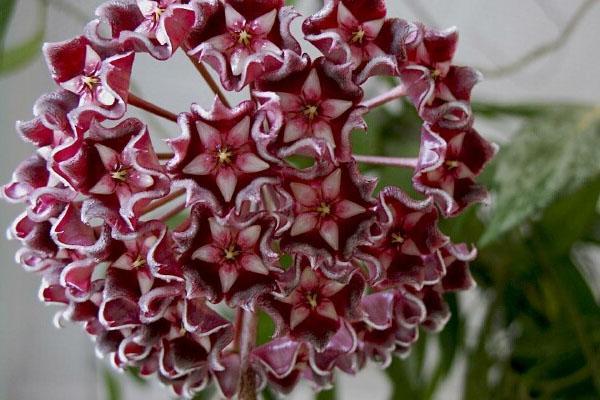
(245, 38)
(359, 35)
(321, 206)
(88, 84)
(154, 13)
(232, 252)
(309, 112)
(120, 176)
(225, 155)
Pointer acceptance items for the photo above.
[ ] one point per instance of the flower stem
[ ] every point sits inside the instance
(164, 156)
(212, 84)
(393, 94)
(161, 202)
(142, 104)
(387, 161)
(245, 339)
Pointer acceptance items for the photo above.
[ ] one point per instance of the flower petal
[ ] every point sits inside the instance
(348, 209)
(248, 237)
(228, 274)
(254, 264)
(263, 24)
(304, 194)
(303, 223)
(295, 128)
(233, 19)
(250, 163)
(298, 314)
(330, 233)
(203, 164)
(226, 181)
(209, 135)
(109, 157)
(208, 253)
(238, 135)
(331, 185)
(327, 309)
(311, 90)
(333, 108)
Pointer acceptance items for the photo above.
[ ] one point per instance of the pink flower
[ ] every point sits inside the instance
(345, 276)
(232, 256)
(321, 207)
(309, 113)
(156, 27)
(89, 86)
(245, 40)
(316, 307)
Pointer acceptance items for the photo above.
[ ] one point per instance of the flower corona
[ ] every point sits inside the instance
(345, 275)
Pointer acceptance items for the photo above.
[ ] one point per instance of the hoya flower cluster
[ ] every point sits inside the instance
(346, 275)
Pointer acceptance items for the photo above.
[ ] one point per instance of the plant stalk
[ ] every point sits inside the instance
(142, 104)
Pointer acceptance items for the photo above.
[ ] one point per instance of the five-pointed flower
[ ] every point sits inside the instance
(120, 176)
(245, 38)
(88, 85)
(225, 156)
(232, 251)
(359, 35)
(153, 24)
(309, 113)
(320, 207)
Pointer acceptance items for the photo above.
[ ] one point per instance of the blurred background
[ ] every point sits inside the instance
(531, 329)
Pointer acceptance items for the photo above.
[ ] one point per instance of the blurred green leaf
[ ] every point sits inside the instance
(177, 220)
(112, 386)
(205, 394)
(554, 154)
(326, 394)
(134, 374)
(15, 57)
(6, 11)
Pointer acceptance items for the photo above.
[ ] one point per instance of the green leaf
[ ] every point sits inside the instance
(326, 394)
(6, 11)
(15, 57)
(177, 220)
(554, 154)
(112, 386)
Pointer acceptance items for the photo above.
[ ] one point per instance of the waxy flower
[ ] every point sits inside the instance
(250, 42)
(232, 252)
(316, 308)
(156, 27)
(261, 208)
(321, 207)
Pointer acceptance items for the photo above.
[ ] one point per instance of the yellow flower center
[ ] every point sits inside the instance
(90, 81)
(244, 38)
(158, 12)
(358, 36)
(435, 74)
(324, 209)
(224, 155)
(397, 238)
(139, 262)
(120, 174)
(312, 300)
(311, 111)
(231, 253)
(451, 164)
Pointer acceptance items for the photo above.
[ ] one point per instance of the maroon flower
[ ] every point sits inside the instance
(243, 40)
(449, 162)
(157, 27)
(315, 309)
(149, 251)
